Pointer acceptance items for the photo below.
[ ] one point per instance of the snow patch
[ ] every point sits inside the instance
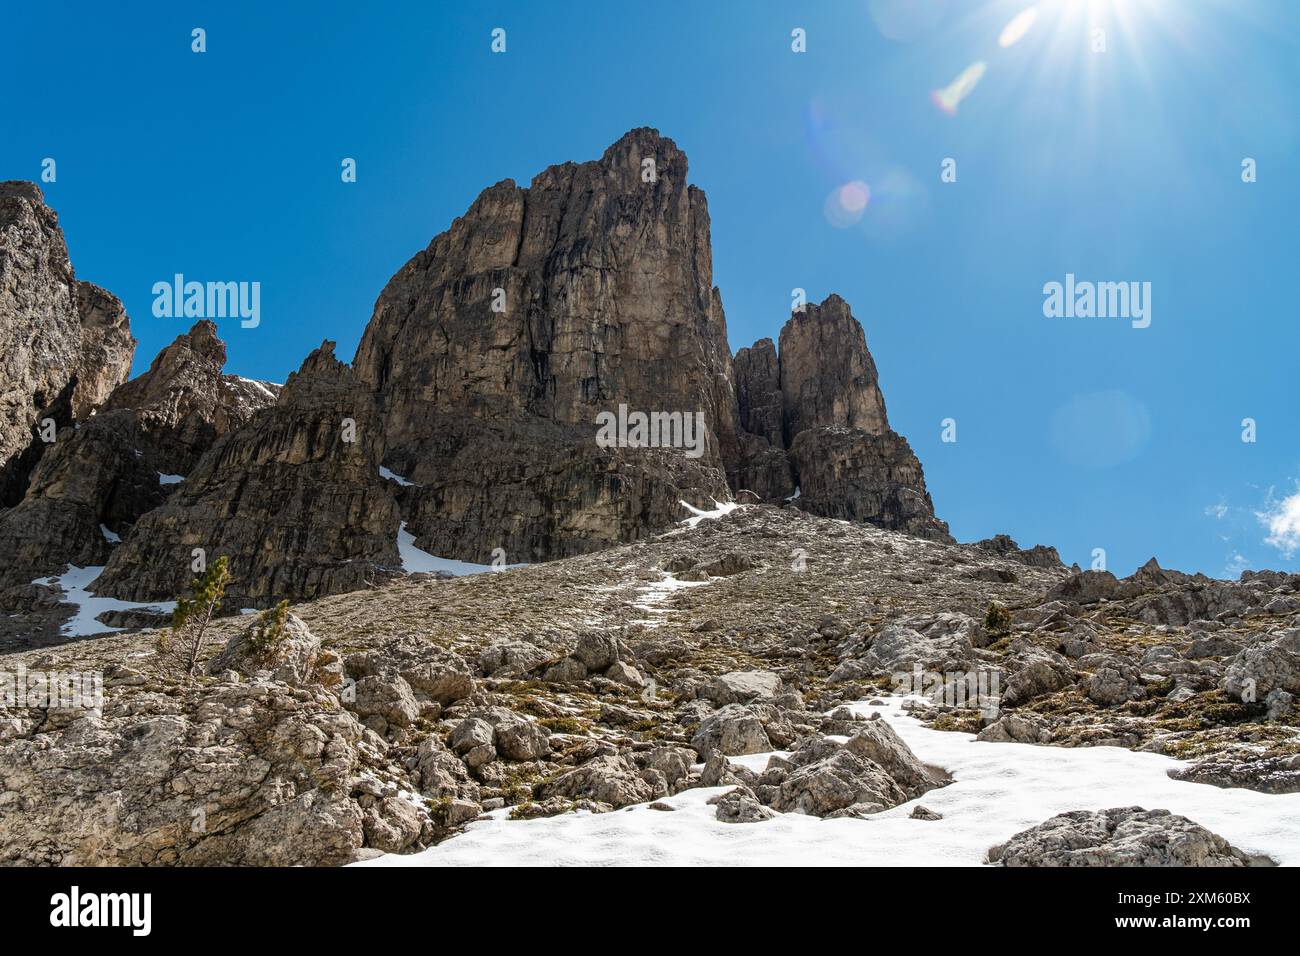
(718, 511)
(385, 473)
(999, 789)
(260, 386)
(415, 561)
(169, 479)
(75, 583)
(109, 536)
(652, 595)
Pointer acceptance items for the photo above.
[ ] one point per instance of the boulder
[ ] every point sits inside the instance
(733, 730)
(741, 806)
(608, 780)
(741, 687)
(1268, 665)
(873, 771)
(240, 774)
(1115, 681)
(1127, 836)
(294, 658)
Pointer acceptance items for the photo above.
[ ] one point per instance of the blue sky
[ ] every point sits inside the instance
(1115, 165)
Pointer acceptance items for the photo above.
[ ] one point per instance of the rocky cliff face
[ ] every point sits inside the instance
(549, 377)
(293, 499)
(94, 482)
(852, 474)
(494, 350)
(761, 464)
(186, 401)
(64, 344)
(107, 348)
(827, 375)
(813, 418)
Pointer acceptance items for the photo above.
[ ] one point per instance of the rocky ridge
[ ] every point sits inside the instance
(481, 378)
(64, 344)
(102, 474)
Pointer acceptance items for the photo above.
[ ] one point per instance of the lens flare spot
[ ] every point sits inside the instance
(854, 196)
(948, 98)
(1017, 27)
(846, 204)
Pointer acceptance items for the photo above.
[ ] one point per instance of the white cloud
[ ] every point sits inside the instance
(1217, 512)
(1282, 519)
(1237, 563)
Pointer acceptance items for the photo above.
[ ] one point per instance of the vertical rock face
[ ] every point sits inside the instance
(96, 480)
(185, 401)
(758, 392)
(536, 311)
(852, 474)
(293, 498)
(64, 345)
(549, 377)
(107, 348)
(813, 417)
(827, 375)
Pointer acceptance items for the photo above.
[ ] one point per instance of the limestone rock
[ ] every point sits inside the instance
(1039, 556)
(827, 375)
(741, 806)
(107, 348)
(898, 648)
(1128, 836)
(860, 476)
(185, 401)
(732, 730)
(293, 498)
(296, 658)
(239, 774)
(609, 780)
(64, 345)
(494, 349)
(831, 438)
(758, 392)
(740, 687)
(97, 480)
(1267, 666)
(1276, 774)
(873, 771)
(1113, 682)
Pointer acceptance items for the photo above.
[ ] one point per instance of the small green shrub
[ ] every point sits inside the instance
(268, 631)
(998, 619)
(179, 648)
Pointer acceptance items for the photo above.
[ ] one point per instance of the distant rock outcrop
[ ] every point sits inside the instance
(185, 401)
(551, 376)
(293, 499)
(494, 350)
(827, 375)
(813, 418)
(64, 344)
(96, 480)
(107, 348)
(1039, 556)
